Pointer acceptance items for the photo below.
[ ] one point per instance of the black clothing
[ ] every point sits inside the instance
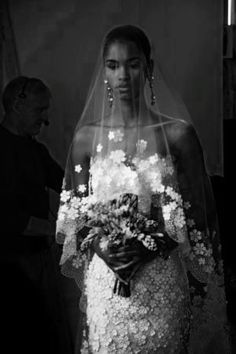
(27, 170)
(31, 312)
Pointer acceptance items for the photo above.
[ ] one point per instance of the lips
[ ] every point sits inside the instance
(124, 88)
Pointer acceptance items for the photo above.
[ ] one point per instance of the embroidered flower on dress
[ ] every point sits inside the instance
(117, 156)
(65, 196)
(75, 202)
(153, 159)
(82, 188)
(72, 213)
(63, 210)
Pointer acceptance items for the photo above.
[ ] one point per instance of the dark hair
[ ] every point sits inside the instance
(19, 87)
(128, 33)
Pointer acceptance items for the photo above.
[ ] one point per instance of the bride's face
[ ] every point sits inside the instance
(124, 70)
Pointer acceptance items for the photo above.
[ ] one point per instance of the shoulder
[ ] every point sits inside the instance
(83, 136)
(180, 134)
(83, 140)
(176, 130)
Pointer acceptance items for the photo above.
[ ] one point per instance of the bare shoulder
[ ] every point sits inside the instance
(83, 138)
(179, 130)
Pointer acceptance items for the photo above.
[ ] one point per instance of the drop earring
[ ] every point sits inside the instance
(153, 97)
(109, 93)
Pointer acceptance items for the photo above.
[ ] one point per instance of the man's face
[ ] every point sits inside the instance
(34, 113)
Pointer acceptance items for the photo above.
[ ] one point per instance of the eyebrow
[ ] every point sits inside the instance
(116, 61)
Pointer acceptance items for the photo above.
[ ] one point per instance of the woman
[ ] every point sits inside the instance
(137, 217)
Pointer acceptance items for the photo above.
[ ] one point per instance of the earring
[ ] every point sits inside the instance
(109, 93)
(153, 97)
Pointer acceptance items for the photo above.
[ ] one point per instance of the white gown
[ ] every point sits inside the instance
(154, 319)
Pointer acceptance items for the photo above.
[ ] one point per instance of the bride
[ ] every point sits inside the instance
(137, 218)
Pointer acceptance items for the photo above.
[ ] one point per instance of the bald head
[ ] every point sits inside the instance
(22, 89)
(26, 102)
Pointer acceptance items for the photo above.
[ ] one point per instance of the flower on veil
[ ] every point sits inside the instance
(78, 168)
(99, 148)
(115, 135)
(141, 146)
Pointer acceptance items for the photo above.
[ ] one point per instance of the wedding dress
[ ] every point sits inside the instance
(176, 304)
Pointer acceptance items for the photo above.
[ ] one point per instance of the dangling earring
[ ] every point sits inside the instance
(109, 93)
(153, 97)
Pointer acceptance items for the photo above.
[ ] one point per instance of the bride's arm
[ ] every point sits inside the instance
(203, 258)
(75, 185)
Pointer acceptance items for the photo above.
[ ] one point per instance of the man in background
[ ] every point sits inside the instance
(29, 294)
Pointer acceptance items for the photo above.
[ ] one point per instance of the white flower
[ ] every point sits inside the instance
(153, 159)
(65, 196)
(78, 168)
(118, 135)
(75, 202)
(143, 165)
(72, 213)
(195, 235)
(117, 156)
(111, 135)
(99, 147)
(82, 188)
(199, 249)
(141, 146)
(115, 135)
(187, 205)
(201, 261)
(166, 209)
(190, 222)
(63, 210)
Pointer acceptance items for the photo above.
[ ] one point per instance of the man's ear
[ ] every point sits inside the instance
(18, 105)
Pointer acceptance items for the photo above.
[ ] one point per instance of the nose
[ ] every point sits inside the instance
(124, 74)
(45, 118)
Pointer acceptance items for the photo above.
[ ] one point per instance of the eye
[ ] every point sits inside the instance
(135, 64)
(112, 65)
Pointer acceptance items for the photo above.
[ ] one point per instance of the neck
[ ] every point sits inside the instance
(130, 111)
(10, 122)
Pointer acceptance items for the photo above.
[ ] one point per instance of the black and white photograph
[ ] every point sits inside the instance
(117, 132)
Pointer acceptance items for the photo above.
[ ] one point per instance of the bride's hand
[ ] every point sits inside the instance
(131, 255)
(125, 260)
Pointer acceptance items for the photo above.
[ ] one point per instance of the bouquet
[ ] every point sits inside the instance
(118, 223)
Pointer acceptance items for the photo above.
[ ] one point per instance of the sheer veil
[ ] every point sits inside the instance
(158, 140)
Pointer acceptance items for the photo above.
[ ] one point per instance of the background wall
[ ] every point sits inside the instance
(59, 41)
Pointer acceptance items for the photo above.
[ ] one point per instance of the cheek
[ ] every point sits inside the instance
(138, 80)
(112, 79)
